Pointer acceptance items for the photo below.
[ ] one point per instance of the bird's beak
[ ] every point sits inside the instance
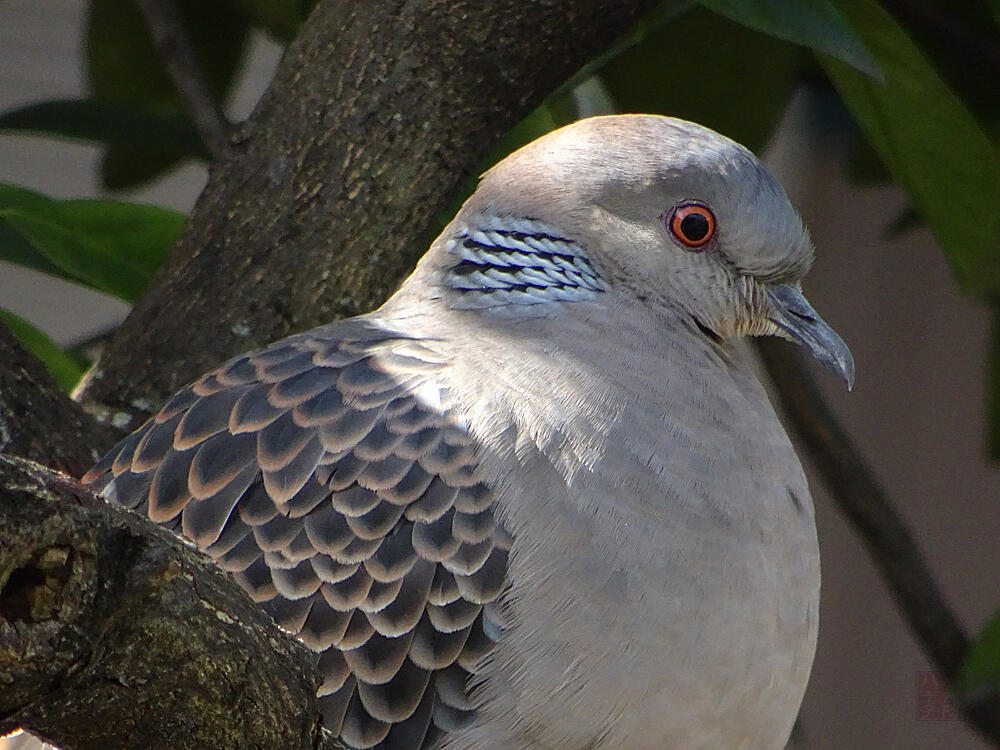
(795, 316)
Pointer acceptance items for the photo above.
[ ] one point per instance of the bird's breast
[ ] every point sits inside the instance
(663, 586)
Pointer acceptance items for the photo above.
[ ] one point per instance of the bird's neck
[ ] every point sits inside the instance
(491, 261)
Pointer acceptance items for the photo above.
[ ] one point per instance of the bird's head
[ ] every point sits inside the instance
(660, 210)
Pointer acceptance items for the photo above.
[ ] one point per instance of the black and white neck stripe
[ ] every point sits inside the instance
(518, 261)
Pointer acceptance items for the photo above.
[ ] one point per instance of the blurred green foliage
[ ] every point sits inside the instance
(930, 142)
(111, 246)
(123, 69)
(980, 675)
(65, 368)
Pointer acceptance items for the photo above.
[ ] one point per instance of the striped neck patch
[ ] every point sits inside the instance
(518, 262)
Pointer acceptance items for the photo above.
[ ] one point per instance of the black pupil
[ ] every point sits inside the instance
(694, 227)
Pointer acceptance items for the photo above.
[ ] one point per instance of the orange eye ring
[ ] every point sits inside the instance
(692, 224)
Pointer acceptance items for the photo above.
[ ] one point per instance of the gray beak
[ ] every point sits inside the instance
(795, 316)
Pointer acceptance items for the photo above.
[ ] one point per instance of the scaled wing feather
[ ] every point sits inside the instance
(348, 506)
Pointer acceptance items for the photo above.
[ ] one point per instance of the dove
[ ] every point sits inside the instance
(539, 498)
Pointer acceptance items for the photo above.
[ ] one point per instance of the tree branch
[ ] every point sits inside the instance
(181, 63)
(115, 634)
(378, 113)
(39, 421)
(871, 512)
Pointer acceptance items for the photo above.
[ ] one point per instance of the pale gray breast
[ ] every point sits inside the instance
(646, 481)
(331, 476)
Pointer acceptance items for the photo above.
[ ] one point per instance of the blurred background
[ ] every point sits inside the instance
(894, 291)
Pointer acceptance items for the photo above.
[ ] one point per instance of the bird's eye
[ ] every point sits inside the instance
(692, 224)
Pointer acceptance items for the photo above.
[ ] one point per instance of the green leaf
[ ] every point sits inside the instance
(77, 258)
(737, 85)
(979, 674)
(815, 24)
(120, 123)
(15, 249)
(961, 40)
(123, 66)
(667, 11)
(66, 370)
(111, 246)
(125, 167)
(865, 167)
(930, 142)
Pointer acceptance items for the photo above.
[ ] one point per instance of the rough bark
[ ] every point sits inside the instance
(39, 421)
(114, 634)
(378, 113)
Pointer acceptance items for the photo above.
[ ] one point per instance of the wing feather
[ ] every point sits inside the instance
(240, 556)
(253, 412)
(206, 417)
(203, 520)
(168, 491)
(152, 448)
(330, 474)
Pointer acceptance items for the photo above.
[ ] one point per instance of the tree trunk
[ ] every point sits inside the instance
(39, 421)
(378, 114)
(114, 633)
